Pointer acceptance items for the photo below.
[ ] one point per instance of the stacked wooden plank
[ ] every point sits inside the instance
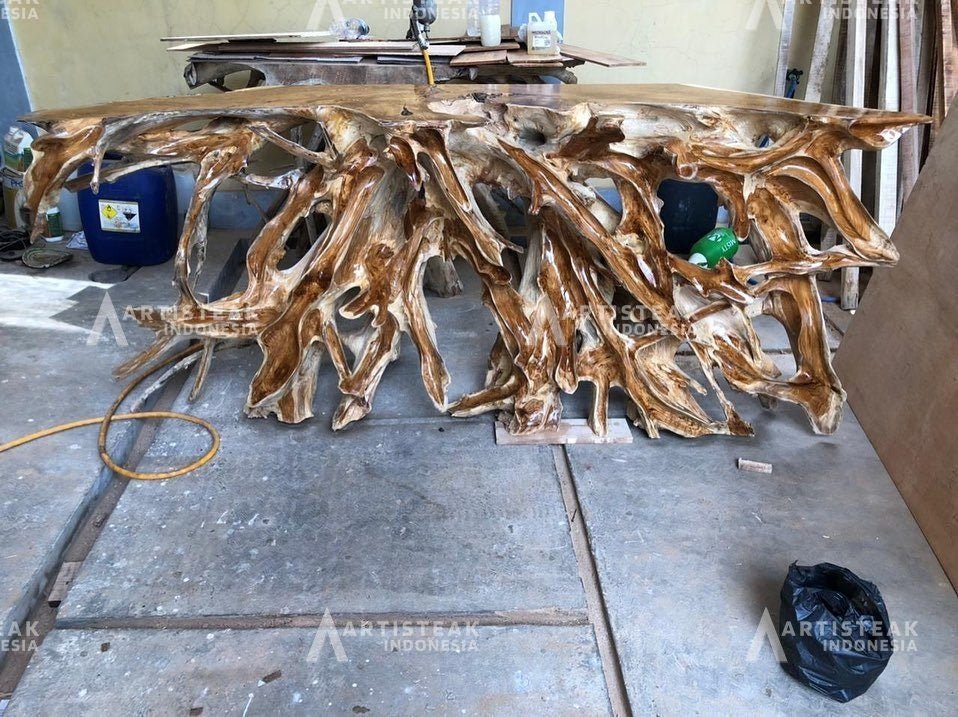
(459, 52)
(886, 54)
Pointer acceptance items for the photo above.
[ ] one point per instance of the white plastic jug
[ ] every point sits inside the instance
(541, 36)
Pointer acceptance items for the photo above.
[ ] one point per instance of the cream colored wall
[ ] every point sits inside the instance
(702, 42)
(86, 51)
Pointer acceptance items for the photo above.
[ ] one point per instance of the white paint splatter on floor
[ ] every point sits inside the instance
(30, 301)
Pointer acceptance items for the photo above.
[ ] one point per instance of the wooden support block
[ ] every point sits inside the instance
(471, 59)
(521, 58)
(479, 48)
(570, 431)
(754, 466)
(61, 586)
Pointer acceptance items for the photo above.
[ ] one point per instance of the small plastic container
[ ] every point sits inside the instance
(490, 23)
(16, 143)
(54, 233)
(542, 35)
(13, 198)
(131, 221)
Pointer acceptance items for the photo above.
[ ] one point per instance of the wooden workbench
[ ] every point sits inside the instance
(376, 62)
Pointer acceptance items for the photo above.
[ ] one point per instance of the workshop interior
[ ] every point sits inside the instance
(478, 357)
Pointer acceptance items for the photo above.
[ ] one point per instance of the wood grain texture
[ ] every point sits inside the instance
(605, 59)
(821, 50)
(407, 174)
(856, 71)
(469, 59)
(506, 45)
(898, 356)
(910, 146)
(521, 58)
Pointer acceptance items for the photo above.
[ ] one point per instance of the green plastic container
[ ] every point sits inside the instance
(720, 243)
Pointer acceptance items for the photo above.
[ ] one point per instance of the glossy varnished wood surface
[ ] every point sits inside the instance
(389, 102)
(407, 175)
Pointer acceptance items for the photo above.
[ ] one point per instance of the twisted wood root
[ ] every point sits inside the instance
(398, 192)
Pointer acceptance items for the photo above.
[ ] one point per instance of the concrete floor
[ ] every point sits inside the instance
(410, 566)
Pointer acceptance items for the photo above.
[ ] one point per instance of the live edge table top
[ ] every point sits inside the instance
(420, 103)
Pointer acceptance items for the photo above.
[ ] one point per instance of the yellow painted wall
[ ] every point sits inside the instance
(85, 51)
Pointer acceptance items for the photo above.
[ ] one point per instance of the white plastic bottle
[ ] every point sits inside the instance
(15, 141)
(549, 18)
(541, 35)
(472, 18)
(490, 23)
(54, 233)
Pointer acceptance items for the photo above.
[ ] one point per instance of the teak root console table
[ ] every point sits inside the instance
(405, 174)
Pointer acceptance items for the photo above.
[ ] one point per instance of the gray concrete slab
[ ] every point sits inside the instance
(387, 515)
(497, 671)
(691, 551)
(50, 374)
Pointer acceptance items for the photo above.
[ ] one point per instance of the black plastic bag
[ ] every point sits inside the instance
(834, 630)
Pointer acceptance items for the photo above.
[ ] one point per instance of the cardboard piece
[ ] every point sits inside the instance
(897, 360)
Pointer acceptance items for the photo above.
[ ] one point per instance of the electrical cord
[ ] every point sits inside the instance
(111, 416)
(13, 242)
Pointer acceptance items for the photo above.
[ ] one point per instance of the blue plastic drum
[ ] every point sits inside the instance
(131, 221)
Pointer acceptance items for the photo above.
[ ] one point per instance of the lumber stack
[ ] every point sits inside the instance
(888, 55)
(462, 52)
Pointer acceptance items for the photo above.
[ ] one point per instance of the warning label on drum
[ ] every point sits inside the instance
(119, 216)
